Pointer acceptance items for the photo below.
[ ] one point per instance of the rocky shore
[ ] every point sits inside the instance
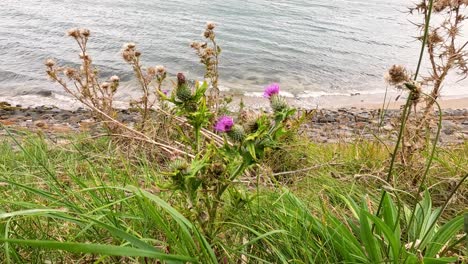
(325, 125)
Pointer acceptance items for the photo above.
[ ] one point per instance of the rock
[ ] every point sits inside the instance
(449, 127)
(8, 122)
(460, 135)
(41, 124)
(44, 93)
(59, 128)
(388, 127)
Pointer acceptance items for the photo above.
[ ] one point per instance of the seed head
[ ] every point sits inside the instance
(210, 25)
(73, 32)
(209, 52)
(160, 69)
(105, 85)
(151, 71)
(397, 75)
(128, 55)
(84, 56)
(129, 45)
(49, 63)
(195, 45)
(85, 32)
(114, 78)
(69, 72)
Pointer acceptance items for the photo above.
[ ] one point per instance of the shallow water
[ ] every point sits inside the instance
(312, 47)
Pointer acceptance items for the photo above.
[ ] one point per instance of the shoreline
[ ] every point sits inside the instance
(338, 120)
(357, 100)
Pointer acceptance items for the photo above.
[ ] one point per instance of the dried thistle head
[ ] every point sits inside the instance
(210, 25)
(74, 32)
(129, 45)
(114, 78)
(434, 37)
(160, 69)
(85, 32)
(71, 73)
(397, 75)
(209, 30)
(105, 85)
(50, 63)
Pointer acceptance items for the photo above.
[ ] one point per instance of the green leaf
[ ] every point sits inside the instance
(387, 230)
(444, 235)
(108, 250)
(367, 236)
(30, 212)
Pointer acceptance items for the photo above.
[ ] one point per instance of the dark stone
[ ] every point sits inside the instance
(44, 93)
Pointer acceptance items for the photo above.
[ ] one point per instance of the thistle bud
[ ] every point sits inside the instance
(237, 133)
(278, 103)
(179, 165)
(251, 124)
(181, 79)
(183, 92)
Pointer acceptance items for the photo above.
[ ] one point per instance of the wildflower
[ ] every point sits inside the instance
(50, 63)
(271, 90)
(165, 92)
(224, 124)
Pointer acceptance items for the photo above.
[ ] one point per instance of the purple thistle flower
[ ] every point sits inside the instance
(224, 124)
(165, 92)
(271, 90)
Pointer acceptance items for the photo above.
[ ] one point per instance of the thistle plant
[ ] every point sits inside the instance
(209, 53)
(84, 82)
(204, 180)
(440, 34)
(152, 76)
